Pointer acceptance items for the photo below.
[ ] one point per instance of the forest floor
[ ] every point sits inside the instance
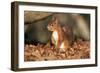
(79, 50)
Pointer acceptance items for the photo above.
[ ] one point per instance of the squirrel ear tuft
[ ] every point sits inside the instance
(56, 21)
(54, 18)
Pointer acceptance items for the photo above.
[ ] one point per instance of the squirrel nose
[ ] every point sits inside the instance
(47, 27)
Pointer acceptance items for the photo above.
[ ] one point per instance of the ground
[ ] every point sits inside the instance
(79, 50)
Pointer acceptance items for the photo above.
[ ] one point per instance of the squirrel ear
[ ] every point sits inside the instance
(55, 19)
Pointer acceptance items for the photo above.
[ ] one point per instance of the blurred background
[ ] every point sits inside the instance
(36, 25)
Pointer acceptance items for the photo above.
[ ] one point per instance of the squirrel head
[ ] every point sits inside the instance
(53, 25)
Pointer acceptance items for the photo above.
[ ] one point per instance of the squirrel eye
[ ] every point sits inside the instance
(51, 24)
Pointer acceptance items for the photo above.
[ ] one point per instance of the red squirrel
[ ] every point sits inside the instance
(60, 35)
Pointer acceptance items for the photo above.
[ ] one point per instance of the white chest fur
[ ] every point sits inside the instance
(55, 36)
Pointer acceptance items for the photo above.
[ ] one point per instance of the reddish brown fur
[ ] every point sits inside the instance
(55, 26)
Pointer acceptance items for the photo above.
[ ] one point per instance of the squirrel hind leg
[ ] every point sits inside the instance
(64, 45)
